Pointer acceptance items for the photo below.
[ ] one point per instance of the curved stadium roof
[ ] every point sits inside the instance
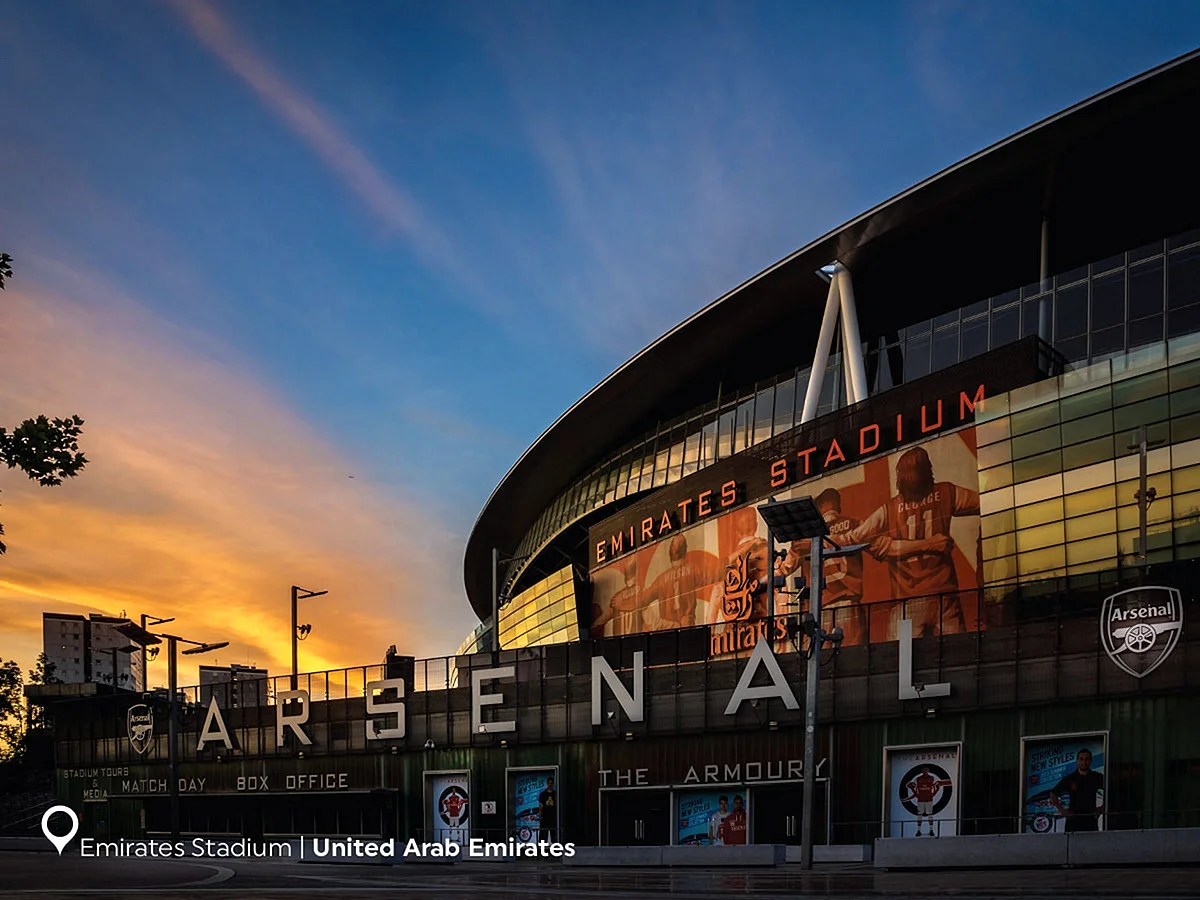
(1112, 172)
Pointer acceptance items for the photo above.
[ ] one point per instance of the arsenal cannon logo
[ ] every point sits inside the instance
(140, 724)
(1140, 627)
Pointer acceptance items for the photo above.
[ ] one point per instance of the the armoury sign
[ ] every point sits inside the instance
(1139, 627)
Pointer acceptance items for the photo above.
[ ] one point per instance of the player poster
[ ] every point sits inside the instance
(534, 804)
(916, 509)
(448, 796)
(712, 818)
(922, 790)
(1063, 787)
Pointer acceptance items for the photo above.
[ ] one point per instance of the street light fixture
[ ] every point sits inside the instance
(795, 520)
(173, 641)
(150, 621)
(299, 593)
(132, 648)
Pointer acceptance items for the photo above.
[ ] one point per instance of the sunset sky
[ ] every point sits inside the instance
(316, 273)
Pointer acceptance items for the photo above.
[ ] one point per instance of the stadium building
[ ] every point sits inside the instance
(990, 384)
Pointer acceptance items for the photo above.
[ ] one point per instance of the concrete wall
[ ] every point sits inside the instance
(1105, 848)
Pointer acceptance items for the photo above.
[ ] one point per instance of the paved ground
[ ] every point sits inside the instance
(25, 876)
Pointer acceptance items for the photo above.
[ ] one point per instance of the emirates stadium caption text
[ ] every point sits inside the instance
(322, 848)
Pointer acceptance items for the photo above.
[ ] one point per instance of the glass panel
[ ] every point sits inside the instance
(1034, 418)
(1185, 320)
(1145, 331)
(1146, 290)
(1108, 301)
(1087, 502)
(1087, 428)
(708, 443)
(997, 477)
(1183, 278)
(1074, 349)
(741, 431)
(1086, 454)
(1091, 550)
(1107, 341)
(994, 454)
(1107, 265)
(974, 309)
(1040, 513)
(725, 439)
(916, 357)
(974, 337)
(785, 405)
(764, 414)
(1071, 276)
(1031, 315)
(1143, 387)
(1042, 489)
(1041, 536)
(1037, 466)
(998, 523)
(945, 349)
(1036, 442)
(1006, 325)
(1104, 522)
(1145, 252)
(950, 318)
(1129, 417)
(1042, 561)
(1070, 312)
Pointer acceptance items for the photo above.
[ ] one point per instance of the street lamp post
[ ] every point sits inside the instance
(794, 520)
(173, 641)
(152, 621)
(298, 594)
(132, 648)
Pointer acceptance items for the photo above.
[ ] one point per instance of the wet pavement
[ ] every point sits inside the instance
(45, 876)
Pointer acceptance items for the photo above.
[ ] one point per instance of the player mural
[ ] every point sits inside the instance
(448, 795)
(1064, 783)
(917, 510)
(922, 797)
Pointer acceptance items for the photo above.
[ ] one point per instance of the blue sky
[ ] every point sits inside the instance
(416, 233)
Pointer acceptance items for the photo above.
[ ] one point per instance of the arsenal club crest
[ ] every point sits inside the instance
(1140, 627)
(139, 722)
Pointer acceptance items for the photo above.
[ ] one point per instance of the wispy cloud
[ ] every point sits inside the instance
(205, 499)
(390, 202)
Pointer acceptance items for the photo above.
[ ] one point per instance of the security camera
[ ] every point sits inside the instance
(837, 635)
(612, 714)
(429, 744)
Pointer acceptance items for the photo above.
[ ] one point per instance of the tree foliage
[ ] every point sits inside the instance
(45, 449)
(12, 709)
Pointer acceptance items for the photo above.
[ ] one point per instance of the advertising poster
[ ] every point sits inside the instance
(712, 818)
(449, 799)
(534, 804)
(917, 509)
(922, 791)
(1064, 783)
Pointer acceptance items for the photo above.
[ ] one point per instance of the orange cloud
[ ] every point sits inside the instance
(205, 499)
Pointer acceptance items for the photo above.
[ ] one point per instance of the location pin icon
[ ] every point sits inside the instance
(59, 840)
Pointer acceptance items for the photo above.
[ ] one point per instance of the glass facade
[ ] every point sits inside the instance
(1059, 468)
(1091, 313)
(542, 614)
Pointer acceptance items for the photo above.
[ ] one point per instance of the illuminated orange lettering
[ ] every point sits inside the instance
(899, 427)
(600, 557)
(804, 455)
(778, 472)
(665, 524)
(729, 493)
(631, 537)
(834, 448)
(703, 507)
(967, 404)
(647, 528)
(925, 426)
(683, 510)
(616, 544)
(863, 449)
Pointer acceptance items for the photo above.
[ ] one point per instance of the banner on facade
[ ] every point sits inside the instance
(1063, 786)
(712, 818)
(534, 798)
(922, 785)
(448, 805)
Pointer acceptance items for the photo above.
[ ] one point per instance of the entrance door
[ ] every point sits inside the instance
(636, 818)
(777, 813)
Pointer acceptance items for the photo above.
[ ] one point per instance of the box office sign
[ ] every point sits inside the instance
(922, 784)
(1063, 788)
(1139, 627)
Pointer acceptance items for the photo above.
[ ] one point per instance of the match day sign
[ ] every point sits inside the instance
(1139, 627)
